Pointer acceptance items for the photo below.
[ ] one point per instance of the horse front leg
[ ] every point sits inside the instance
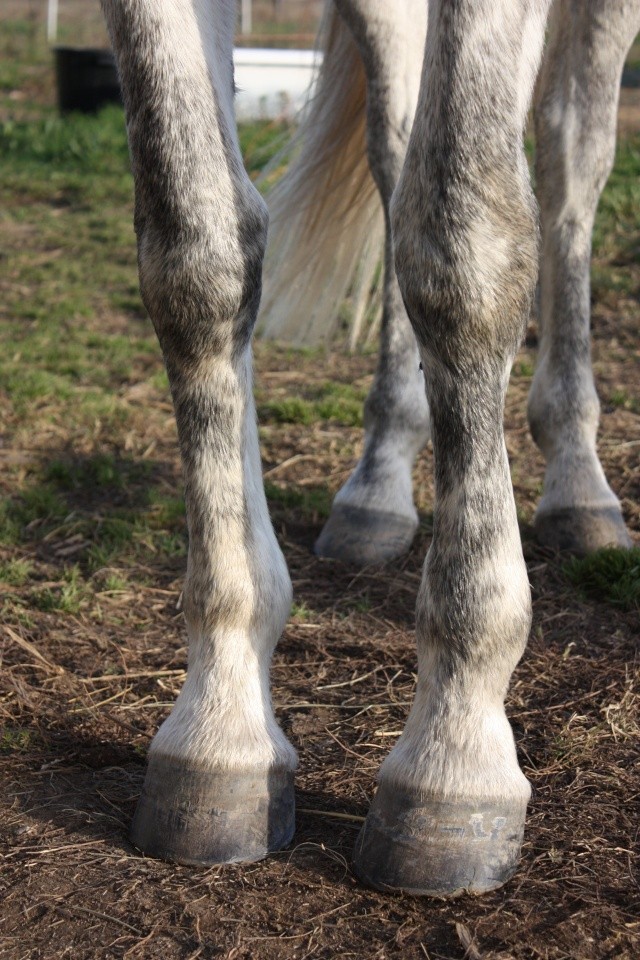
(219, 783)
(373, 518)
(450, 808)
(576, 112)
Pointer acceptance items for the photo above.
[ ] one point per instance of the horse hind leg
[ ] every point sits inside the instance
(219, 783)
(450, 808)
(575, 119)
(373, 518)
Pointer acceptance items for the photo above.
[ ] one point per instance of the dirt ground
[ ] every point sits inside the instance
(84, 687)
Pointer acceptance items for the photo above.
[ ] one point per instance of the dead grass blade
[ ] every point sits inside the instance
(33, 651)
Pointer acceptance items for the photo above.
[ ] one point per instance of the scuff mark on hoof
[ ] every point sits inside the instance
(362, 536)
(580, 530)
(438, 848)
(195, 816)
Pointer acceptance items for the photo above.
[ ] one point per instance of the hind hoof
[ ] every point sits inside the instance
(438, 848)
(362, 536)
(195, 816)
(580, 530)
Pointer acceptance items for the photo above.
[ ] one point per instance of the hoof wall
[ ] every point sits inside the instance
(194, 816)
(358, 535)
(582, 531)
(437, 848)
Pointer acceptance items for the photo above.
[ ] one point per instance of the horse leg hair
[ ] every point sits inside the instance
(373, 518)
(576, 111)
(449, 812)
(219, 784)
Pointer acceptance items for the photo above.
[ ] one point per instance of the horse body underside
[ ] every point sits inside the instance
(445, 152)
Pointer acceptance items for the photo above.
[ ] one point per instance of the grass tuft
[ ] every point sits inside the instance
(114, 582)
(302, 613)
(623, 400)
(15, 572)
(68, 597)
(336, 402)
(37, 504)
(610, 574)
(15, 740)
(92, 144)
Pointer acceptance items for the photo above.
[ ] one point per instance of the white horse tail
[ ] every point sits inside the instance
(326, 223)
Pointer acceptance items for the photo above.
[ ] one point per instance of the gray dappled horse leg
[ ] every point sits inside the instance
(373, 517)
(219, 784)
(576, 113)
(450, 807)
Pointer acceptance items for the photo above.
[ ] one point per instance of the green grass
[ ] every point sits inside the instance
(611, 575)
(312, 502)
(73, 144)
(302, 613)
(16, 740)
(260, 142)
(111, 505)
(623, 400)
(66, 198)
(115, 583)
(616, 234)
(98, 472)
(15, 572)
(69, 597)
(523, 368)
(129, 536)
(337, 402)
(36, 505)
(361, 605)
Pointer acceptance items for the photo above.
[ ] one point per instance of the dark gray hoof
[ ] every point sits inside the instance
(580, 530)
(362, 536)
(204, 817)
(438, 848)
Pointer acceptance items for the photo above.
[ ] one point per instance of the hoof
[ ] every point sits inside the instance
(438, 848)
(579, 530)
(196, 816)
(359, 535)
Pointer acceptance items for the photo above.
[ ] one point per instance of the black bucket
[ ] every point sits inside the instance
(87, 79)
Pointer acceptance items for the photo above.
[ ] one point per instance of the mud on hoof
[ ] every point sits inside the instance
(429, 847)
(197, 816)
(359, 535)
(580, 530)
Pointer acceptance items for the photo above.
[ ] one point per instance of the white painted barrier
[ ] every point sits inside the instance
(272, 83)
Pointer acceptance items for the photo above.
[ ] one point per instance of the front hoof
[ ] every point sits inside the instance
(580, 530)
(196, 816)
(438, 848)
(363, 536)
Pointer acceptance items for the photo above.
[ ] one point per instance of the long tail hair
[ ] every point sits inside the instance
(326, 223)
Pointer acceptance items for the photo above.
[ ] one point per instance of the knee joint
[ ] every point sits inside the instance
(201, 279)
(467, 268)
